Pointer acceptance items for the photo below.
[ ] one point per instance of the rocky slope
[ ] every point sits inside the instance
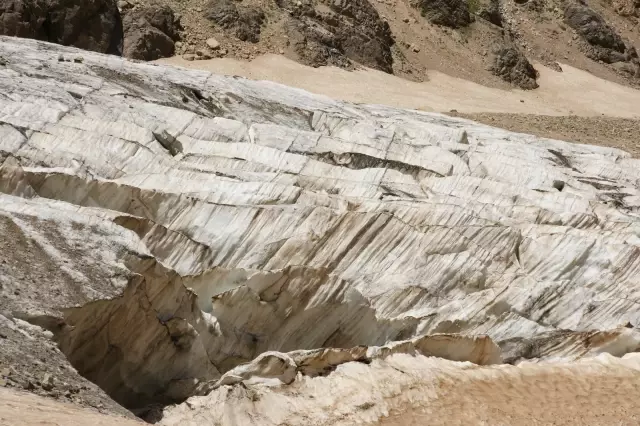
(181, 233)
(486, 41)
(500, 43)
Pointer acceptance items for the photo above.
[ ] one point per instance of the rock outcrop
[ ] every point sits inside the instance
(510, 64)
(198, 232)
(605, 44)
(339, 32)
(150, 32)
(246, 22)
(87, 24)
(450, 13)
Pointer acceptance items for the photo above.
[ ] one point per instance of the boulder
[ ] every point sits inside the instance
(245, 22)
(213, 44)
(449, 13)
(87, 24)
(510, 64)
(150, 32)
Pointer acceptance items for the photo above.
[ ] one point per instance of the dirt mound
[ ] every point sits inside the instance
(150, 32)
(87, 24)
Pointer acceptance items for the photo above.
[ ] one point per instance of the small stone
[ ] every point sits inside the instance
(202, 54)
(47, 382)
(78, 59)
(223, 52)
(281, 51)
(60, 58)
(213, 43)
(124, 5)
(198, 9)
(406, 20)
(415, 48)
(178, 44)
(189, 57)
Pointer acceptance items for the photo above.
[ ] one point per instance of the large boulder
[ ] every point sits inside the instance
(87, 24)
(450, 13)
(150, 32)
(511, 65)
(245, 22)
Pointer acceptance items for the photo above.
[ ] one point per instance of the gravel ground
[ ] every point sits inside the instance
(614, 132)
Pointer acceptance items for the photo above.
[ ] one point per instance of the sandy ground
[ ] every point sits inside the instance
(562, 395)
(22, 408)
(571, 92)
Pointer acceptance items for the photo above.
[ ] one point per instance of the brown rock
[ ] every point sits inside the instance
(150, 32)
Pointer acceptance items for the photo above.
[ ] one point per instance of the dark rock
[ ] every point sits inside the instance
(246, 22)
(450, 13)
(511, 65)
(604, 43)
(250, 24)
(87, 24)
(150, 32)
(492, 13)
(224, 13)
(349, 30)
